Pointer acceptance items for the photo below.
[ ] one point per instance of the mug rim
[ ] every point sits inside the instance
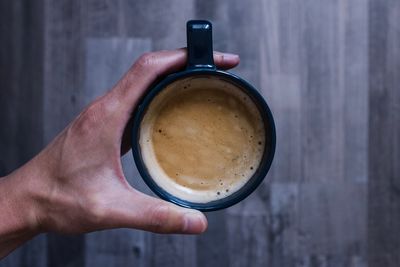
(250, 186)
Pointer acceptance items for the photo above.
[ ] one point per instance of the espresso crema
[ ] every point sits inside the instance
(202, 139)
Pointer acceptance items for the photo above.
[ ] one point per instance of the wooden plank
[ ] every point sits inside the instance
(384, 134)
(10, 65)
(173, 250)
(334, 115)
(331, 224)
(64, 65)
(121, 247)
(21, 94)
(310, 115)
(107, 59)
(283, 235)
(21, 69)
(321, 95)
(281, 84)
(284, 97)
(211, 246)
(354, 76)
(63, 75)
(247, 239)
(152, 19)
(103, 18)
(242, 26)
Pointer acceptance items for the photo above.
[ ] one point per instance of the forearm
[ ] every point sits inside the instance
(18, 207)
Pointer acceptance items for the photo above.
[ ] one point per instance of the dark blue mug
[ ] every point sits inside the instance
(201, 67)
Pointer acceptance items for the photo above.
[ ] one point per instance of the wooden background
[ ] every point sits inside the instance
(330, 70)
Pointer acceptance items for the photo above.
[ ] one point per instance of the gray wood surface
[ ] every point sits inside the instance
(384, 134)
(21, 102)
(330, 70)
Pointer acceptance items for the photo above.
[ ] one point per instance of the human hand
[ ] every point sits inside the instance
(76, 184)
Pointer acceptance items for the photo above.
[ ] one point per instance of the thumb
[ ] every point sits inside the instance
(140, 211)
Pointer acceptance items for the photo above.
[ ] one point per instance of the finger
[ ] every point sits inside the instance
(151, 66)
(140, 211)
(225, 60)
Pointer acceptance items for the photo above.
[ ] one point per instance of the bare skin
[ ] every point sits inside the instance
(76, 184)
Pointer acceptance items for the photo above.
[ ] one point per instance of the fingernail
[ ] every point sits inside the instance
(230, 56)
(194, 222)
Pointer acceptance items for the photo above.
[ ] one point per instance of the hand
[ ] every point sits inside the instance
(76, 184)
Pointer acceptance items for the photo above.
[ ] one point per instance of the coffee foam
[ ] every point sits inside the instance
(201, 139)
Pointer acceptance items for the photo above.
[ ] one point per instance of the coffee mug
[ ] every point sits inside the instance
(203, 138)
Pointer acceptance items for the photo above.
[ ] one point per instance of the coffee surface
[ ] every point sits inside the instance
(202, 141)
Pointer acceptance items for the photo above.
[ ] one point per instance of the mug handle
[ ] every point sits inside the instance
(199, 45)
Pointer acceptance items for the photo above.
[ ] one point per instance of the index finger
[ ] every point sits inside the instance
(151, 66)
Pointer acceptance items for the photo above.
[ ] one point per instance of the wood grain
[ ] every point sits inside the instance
(329, 71)
(384, 134)
(21, 102)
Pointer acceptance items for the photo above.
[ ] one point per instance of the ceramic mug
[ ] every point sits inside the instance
(200, 69)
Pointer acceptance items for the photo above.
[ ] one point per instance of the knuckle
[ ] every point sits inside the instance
(88, 119)
(159, 218)
(219, 58)
(147, 60)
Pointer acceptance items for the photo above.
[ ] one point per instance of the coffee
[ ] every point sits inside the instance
(202, 139)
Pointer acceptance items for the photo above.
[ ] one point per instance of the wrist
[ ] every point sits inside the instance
(20, 198)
